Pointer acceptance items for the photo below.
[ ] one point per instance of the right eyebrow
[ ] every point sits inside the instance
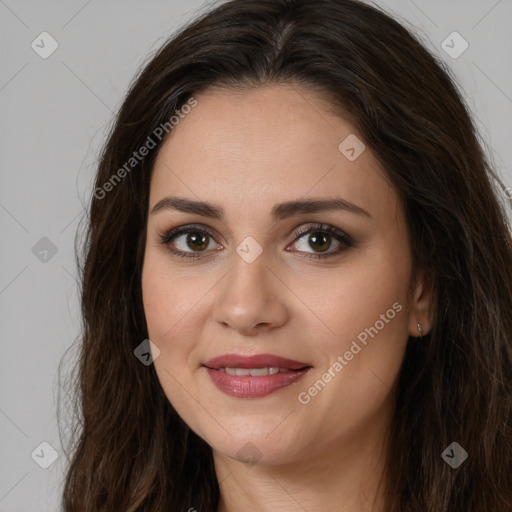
(188, 206)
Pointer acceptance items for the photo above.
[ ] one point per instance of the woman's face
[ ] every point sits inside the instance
(257, 274)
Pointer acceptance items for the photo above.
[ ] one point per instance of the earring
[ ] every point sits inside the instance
(420, 329)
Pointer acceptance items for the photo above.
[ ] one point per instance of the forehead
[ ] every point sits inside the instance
(263, 146)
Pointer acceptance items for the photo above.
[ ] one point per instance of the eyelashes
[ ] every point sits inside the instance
(343, 239)
(201, 238)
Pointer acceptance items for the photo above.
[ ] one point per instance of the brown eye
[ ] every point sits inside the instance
(196, 241)
(320, 239)
(188, 241)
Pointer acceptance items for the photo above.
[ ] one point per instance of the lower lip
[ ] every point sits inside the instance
(254, 387)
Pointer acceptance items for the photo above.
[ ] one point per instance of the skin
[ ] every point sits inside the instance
(247, 151)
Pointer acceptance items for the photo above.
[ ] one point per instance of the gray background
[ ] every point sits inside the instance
(55, 112)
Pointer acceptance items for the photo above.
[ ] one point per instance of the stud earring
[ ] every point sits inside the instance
(420, 329)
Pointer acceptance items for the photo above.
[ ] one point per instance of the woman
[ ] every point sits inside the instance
(294, 207)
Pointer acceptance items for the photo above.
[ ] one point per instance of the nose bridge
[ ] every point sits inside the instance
(248, 283)
(250, 294)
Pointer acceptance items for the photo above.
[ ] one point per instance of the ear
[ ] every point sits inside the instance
(422, 305)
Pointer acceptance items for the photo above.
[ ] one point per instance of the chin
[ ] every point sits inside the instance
(252, 450)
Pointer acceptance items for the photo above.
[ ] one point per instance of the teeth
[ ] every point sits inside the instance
(254, 372)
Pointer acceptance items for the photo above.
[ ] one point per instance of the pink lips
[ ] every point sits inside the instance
(281, 373)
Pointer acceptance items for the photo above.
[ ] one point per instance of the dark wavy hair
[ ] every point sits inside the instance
(129, 450)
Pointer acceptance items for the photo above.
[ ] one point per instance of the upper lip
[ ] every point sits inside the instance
(254, 361)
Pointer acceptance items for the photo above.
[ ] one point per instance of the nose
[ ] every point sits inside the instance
(251, 298)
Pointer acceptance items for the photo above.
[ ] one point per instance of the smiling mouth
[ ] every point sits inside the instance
(254, 376)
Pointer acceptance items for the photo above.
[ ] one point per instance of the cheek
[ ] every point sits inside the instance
(365, 310)
(166, 305)
(170, 299)
(175, 307)
(354, 296)
(159, 305)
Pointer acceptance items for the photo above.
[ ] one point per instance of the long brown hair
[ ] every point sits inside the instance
(130, 450)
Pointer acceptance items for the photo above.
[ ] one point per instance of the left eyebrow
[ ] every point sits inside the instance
(280, 211)
(289, 209)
